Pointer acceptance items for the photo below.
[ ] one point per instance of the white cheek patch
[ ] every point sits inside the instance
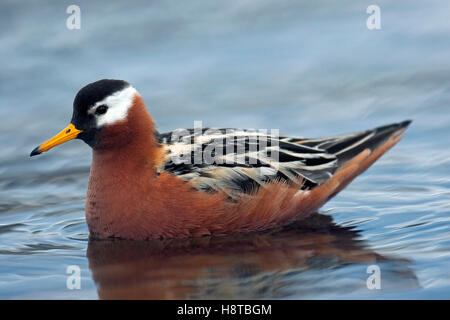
(118, 105)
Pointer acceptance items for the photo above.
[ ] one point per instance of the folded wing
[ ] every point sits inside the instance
(242, 161)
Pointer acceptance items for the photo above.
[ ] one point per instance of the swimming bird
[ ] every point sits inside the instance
(145, 185)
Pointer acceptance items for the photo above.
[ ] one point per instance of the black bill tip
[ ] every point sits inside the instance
(35, 152)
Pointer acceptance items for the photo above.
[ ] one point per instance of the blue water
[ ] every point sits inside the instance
(307, 68)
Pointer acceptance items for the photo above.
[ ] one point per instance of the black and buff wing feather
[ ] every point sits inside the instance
(242, 161)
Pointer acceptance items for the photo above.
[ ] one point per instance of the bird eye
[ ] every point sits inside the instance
(101, 109)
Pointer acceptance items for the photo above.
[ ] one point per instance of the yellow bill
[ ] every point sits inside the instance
(69, 133)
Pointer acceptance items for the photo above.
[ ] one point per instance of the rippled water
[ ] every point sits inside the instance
(310, 69)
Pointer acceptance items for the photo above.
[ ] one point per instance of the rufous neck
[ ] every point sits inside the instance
(131, 143)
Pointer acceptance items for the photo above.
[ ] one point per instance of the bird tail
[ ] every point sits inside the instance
(346, 147)
(355, 152)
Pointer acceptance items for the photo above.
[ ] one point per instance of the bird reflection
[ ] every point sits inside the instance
(284, 262)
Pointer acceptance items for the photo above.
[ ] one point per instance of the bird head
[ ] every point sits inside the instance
(100, 112)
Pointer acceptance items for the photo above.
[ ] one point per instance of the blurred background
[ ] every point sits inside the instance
(308, 68)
